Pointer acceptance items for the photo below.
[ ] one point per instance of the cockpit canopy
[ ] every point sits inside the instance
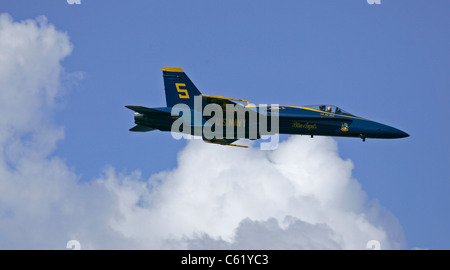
(329, 108)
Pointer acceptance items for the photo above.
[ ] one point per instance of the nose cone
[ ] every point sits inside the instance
(391, 132)
(370, 129)
(402, 134)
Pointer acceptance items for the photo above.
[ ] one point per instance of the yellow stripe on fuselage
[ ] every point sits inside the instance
(327, 113)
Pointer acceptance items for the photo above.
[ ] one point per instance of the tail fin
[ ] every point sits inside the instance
(179, 88)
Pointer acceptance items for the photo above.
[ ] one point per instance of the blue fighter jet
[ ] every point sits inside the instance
(187, 112)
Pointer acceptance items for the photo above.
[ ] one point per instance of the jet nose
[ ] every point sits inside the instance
(403, 134)
(394, 133)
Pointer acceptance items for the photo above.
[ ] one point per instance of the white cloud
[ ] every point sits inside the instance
(300, 196)
(42, 204)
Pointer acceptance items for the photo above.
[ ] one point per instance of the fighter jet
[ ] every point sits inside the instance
(222, 120)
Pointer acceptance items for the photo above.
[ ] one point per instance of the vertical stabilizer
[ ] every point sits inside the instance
(179, 88)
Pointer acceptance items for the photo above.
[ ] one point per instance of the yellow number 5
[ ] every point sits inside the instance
(183, 92)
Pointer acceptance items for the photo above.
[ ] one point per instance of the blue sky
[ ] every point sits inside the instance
(387, 62)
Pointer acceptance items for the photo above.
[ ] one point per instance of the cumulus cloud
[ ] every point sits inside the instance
(299, 196)
(42, 203)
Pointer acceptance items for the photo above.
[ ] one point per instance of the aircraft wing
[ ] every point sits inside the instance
(225, 142)
(221, 101)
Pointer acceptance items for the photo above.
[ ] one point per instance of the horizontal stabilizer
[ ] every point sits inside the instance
(140, 128)
(145, 110)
